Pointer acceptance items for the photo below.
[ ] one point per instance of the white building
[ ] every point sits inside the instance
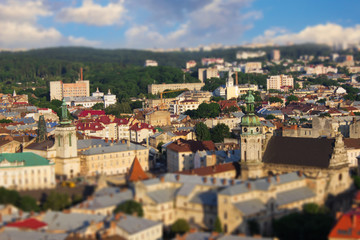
(151, 63)
(109, 99)
(140, 132)
(25, 171)
(179, 107)
(320, 69)
(280, 81)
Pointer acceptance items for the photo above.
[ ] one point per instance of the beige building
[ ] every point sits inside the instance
(158, 118)
(158, 88)
(231, 122)
(275, 55)
(207, 73)
(184, 155)
(280, 81)
(116, 158)
(178, 107)
(26, 171)
(59, 90)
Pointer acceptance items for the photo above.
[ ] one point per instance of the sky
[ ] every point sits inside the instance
(143, 24)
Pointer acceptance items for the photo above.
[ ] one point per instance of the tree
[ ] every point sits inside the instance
(357, 181)
(292, 98)
(180, 226)
(6, 121)
(219, 132)
(28, 204)
(202, 132)
(217, 225)
(216, 99)
(275, 99)
(56, 201)
(130, 207)
(98, 106)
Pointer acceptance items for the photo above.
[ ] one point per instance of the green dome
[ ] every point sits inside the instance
(250, 120)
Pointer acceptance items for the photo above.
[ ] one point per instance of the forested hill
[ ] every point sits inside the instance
(120, 70)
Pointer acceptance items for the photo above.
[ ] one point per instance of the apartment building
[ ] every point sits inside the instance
(278, 82)
(179, 107)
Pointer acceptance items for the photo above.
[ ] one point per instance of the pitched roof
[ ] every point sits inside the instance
(210, 170)
(30, 223)
(29, 159)
(86, 113)
(311, 152)
(136, 172)
(348, 226)
(191, 146)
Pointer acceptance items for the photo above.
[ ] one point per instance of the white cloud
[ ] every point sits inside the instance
(205, 23)
(26, 35)
(91, 13)
(19, 11)
(329, 33)
(19, 28)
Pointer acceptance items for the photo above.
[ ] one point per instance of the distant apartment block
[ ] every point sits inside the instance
(253, 67)
(320, 69)
(275, 55)
(151, 63)
(207, 73)
(158, 88)
(179, 107)
(209, 61)
(247, 55)
(190, 64)
(59, 90)
(278, 82)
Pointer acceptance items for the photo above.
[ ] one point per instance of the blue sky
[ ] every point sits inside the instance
(143, 24)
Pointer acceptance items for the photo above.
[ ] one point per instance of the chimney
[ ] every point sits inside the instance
(248, 185)
(81, 73)
(123, 141)
(106, 140)
(177, 177)
(300, 173)
(277, 178)
(162, 179)
(223, 181)
(112, 140)
(214, 168)
(205, 179)
(118, 216)
(232, 182)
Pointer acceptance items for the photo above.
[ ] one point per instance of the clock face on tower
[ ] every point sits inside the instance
(245, 129)
(257, 129)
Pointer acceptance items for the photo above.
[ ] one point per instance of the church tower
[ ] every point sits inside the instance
(67, 162)
(250, 141)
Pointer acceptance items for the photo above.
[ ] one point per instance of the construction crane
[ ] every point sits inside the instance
(161, 95)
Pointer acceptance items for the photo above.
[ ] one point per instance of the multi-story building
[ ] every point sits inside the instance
(59, 90)
(278, 82)
(207, 73)
(158, 88)
(275, 55)
(109, 99)
(209, 61)
(25, 171)
(179, 107)
(320, 69)
(253, 67)
(151, 63)
(246, 54)
(184, 155)
(190, 64)
(113, 158)
(140, 132)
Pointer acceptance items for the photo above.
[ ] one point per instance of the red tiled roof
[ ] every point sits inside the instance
(347, 227)
(30, 223)
(191, 146)
(136, 172)
(94, 126)
(140, 126)
(85, 113)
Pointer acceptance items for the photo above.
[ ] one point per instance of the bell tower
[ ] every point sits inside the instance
(67, 162)
(250, 141)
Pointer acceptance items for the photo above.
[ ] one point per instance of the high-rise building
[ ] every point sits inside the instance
(278, 82)
(59, 90)
(275, 55)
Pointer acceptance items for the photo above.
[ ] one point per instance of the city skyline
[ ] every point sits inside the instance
(144, 24)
